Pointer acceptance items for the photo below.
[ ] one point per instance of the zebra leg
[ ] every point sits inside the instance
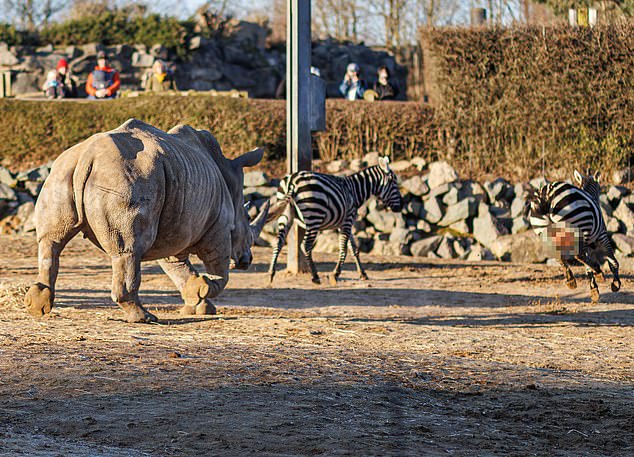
(284, 222)
(355, 252)
(309, 243)
(592, 268)
(570, 280)
(344, 235)
(614, 268)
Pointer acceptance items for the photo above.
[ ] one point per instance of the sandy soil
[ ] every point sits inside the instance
(427, 358)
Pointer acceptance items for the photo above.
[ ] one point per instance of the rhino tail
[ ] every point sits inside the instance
(80, 176)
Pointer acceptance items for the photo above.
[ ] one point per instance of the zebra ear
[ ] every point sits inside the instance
(597, 176)
(384, 163)
(578, 177)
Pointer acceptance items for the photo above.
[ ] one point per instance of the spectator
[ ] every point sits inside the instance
(67, 80)
(52, 87)
(104, 81)
(383, 87)
(352, 87)
(159, 79)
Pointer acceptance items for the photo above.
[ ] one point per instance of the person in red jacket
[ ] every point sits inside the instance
(104, 81)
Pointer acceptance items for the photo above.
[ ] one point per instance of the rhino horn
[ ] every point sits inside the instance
(258, 223)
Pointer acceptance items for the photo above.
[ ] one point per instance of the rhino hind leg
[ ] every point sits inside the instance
(41, 295)
(126, 278)
(39, 300)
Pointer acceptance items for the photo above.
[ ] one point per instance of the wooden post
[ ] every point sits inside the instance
(298, 138)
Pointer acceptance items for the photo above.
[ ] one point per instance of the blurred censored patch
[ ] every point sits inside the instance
(562, 240)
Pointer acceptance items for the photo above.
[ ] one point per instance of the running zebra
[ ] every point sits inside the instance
(560, 204)
(320, 201)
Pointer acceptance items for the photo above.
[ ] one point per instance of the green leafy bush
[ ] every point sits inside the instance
(118, 27)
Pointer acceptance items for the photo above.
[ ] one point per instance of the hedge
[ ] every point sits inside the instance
(34, 132)
(531, 99)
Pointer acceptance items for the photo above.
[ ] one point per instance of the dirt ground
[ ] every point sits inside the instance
(428, 358)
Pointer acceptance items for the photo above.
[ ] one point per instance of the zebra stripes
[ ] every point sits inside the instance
(319, 201)
(560, 203)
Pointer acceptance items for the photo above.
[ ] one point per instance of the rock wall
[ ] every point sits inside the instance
(443, 216)
(238, 59)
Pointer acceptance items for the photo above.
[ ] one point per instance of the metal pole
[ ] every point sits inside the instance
(298, 139)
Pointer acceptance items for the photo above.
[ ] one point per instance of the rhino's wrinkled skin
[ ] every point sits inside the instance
(139, 193)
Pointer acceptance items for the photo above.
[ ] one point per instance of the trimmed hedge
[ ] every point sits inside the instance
(35, 132)
(527, 99)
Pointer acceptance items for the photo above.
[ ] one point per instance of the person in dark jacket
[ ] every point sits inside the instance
(104, 81)
(67, 80)
(383, 87)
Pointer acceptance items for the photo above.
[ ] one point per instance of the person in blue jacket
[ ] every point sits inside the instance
(352, 87)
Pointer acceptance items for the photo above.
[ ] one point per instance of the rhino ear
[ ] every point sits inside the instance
(250, 159)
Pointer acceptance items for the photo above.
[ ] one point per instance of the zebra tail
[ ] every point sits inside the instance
(285, 196)
(537, 204)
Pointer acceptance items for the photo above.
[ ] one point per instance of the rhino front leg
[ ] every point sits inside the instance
(126, 278)
(216, 257)
(193, 288)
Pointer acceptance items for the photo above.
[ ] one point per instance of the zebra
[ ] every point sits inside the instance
(320, 201)
(560, 203)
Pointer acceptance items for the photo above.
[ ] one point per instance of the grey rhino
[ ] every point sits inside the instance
(139, 194)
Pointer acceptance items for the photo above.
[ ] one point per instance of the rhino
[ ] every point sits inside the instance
(138, 193)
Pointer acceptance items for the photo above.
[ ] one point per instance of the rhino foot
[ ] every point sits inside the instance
(39, 300)
(135, 313)
(206, 307)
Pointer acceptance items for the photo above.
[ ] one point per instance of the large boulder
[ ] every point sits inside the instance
(624, 214)
(624, 243)
(525, 247)
(441, 172)
(422, 248)
(432, 211)
(461, 211)
(26, 83)
(415, 186)
(327, 241)
(486, 228)
(8, 59)
(246, 34)
(255, 179)
(386, 248)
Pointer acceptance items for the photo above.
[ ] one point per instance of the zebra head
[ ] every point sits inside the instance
(387, 190)
(589, 183)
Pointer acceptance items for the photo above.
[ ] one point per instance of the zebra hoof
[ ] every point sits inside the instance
(571, 283)
(594, 295)
(364, 277)
(316, 280)
(616, 285)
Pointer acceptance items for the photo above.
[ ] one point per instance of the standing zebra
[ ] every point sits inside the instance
(320, 201)
(560, 203)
